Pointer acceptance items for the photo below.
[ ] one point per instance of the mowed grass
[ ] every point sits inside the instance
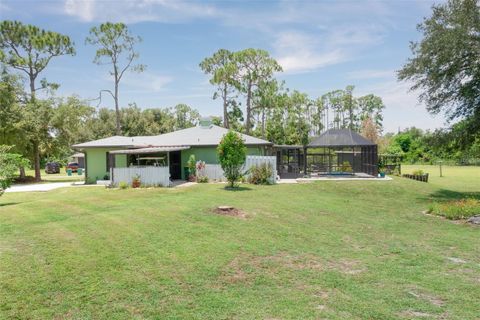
(333, 250)
(57, 177)
(454, 178)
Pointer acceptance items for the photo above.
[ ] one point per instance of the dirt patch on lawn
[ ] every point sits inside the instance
(347, 266)
(436, 301)
(245, 268)
(415, 314)
(230, 211)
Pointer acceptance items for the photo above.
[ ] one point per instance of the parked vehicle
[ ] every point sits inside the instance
(72, 166)
(52, 167)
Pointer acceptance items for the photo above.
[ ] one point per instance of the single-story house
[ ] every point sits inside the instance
(170, 150)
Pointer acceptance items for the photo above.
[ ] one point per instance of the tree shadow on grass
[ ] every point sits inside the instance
(235, 189)
(8, 204)
(446, 195)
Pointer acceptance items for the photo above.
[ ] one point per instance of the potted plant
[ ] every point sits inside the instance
(381, 168)
(136, 182)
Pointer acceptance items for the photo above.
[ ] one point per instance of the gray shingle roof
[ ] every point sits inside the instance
(340, 138)
(195, 136)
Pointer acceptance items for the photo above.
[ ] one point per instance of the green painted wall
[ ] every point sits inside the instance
(209, 155)
(97, 159)
(97, 162)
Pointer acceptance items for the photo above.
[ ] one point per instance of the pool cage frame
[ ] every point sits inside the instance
(335, 152)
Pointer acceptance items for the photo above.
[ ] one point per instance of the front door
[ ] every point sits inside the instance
(176, 165)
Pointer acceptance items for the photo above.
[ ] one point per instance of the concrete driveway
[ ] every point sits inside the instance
(38, 187)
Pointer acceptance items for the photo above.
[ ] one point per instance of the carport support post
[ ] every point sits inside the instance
(304, 160)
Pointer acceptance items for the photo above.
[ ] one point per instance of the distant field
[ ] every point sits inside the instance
(455, 178)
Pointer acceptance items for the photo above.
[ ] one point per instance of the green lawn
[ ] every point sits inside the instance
(455, 178)
(57, 177)
(330, 250)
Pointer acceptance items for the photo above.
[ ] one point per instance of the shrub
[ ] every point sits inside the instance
(106, 177)
(9, 164)
(454, 210)
(261, 174)
(346, 167)
(231, 153)
(200, 172)
(418, 173)
(191, 164)
(202, 179)
(123, 185)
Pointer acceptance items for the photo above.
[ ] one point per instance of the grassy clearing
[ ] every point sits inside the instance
(336, 250)
(455, 178)
(57, 177)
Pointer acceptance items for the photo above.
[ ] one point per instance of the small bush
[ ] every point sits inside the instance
(455, 210)
(201, 175)
(106, 177)
(346, 167)
(418, 173)
(261, 174)
(123, 185)
(202, 179)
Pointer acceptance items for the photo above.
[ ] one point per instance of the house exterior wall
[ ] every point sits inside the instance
(96, 163)
(96, 159)
(209, 155)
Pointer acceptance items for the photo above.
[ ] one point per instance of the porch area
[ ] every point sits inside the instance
(154, 166)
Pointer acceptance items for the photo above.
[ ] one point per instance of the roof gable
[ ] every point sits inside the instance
(340, 138)
(195, 136)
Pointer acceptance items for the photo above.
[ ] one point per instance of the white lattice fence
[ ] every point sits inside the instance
(260, 160)
(213, 172)
(149, 176)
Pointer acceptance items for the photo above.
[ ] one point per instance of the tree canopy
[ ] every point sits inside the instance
(445, 66)
(116, 46)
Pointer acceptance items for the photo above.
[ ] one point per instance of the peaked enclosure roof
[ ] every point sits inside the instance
(340, 138)
(210, 135)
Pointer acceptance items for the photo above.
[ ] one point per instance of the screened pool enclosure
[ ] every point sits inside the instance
(337, 152)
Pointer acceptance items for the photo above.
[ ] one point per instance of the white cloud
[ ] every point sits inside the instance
(402, 106)
(370, 74)
(298, 52)
(133, 11)
(146, 82)
(304, 52)
(84, 10)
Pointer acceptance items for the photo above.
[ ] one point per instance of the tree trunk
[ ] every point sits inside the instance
(36, 160)
(263, 123)
(225, 105)
(35, 144)
(249, 111)
(22, 173)
(117, 109)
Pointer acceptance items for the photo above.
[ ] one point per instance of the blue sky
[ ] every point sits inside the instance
(322, 46)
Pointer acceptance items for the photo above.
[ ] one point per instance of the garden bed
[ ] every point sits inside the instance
(456, 210)
(419, 177)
